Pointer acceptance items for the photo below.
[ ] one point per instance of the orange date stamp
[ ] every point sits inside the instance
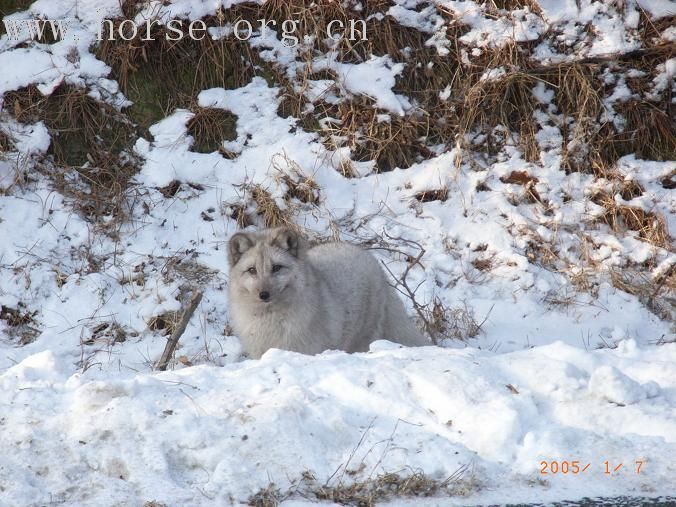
(577, 467)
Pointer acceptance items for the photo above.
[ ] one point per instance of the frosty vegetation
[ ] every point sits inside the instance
(511, 164)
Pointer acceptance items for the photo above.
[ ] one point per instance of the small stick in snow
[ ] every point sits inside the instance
(180, 328)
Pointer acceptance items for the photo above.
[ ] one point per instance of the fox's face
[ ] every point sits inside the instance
(264, 267)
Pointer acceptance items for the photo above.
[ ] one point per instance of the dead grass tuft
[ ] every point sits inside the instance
(650, 31)
(81, 127)
(21, 323)
(656, 292)
(457, 323)
(171, 189)
(373, 134)
(164, 323)
(267, 208)
(89, 143)
(630, 190)
(210, 127)
(495, 103)
(267, 497)
(386, 486)
(649, 132)
(347, 169)
(5, 143)
(651, 228)
(542, 253)
(238, 212)
(107, 333)
(668, 182)
(370, 134)
(370, 492)
(299, 186)
(433, 195)
(8, 7)
(483, 263)
(258, 207)
(15, 317)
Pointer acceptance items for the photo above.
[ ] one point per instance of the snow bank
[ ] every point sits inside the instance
(206, 435)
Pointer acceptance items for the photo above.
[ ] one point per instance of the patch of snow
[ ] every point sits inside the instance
(374, 78)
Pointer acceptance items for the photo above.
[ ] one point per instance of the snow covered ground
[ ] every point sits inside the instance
(566, 366)
(206, 435)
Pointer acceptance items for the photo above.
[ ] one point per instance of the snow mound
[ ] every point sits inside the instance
(206, 434)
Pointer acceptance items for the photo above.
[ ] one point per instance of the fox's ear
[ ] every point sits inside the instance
(238, 244)
(289, 240)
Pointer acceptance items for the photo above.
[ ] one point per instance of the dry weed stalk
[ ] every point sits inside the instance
(438, 320)
(299, 186)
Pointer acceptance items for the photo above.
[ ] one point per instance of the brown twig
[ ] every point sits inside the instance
(180, 328)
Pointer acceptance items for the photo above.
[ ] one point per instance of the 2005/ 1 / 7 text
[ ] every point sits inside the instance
(576, 467)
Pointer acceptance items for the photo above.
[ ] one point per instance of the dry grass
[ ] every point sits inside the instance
(153, 503)
(210, 127)
(656, 292)
(107, 333)
(650, 31)
(457, 323)
(390, 140)
(356, 123)
(432, 195)
(89, 145)
(5, 143)
(161, 75)
(8, 7)
(21, 323)
(512, 5)
(474, 105)
(164, 323)
(649, 133)
(383, 487)
(299, 186)
(369, 492)
(314, 18)
(81, 127)
(256, 206)
(668, 182)
(267, 208)
(651, 228)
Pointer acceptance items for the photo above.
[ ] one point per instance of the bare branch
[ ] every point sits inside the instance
(180, 329)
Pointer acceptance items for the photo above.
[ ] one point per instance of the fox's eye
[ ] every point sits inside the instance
(276, 267)
(251, 270)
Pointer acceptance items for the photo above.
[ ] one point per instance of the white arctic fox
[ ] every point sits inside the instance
(285, 294)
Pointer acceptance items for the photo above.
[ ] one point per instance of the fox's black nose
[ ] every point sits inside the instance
(264, 295)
